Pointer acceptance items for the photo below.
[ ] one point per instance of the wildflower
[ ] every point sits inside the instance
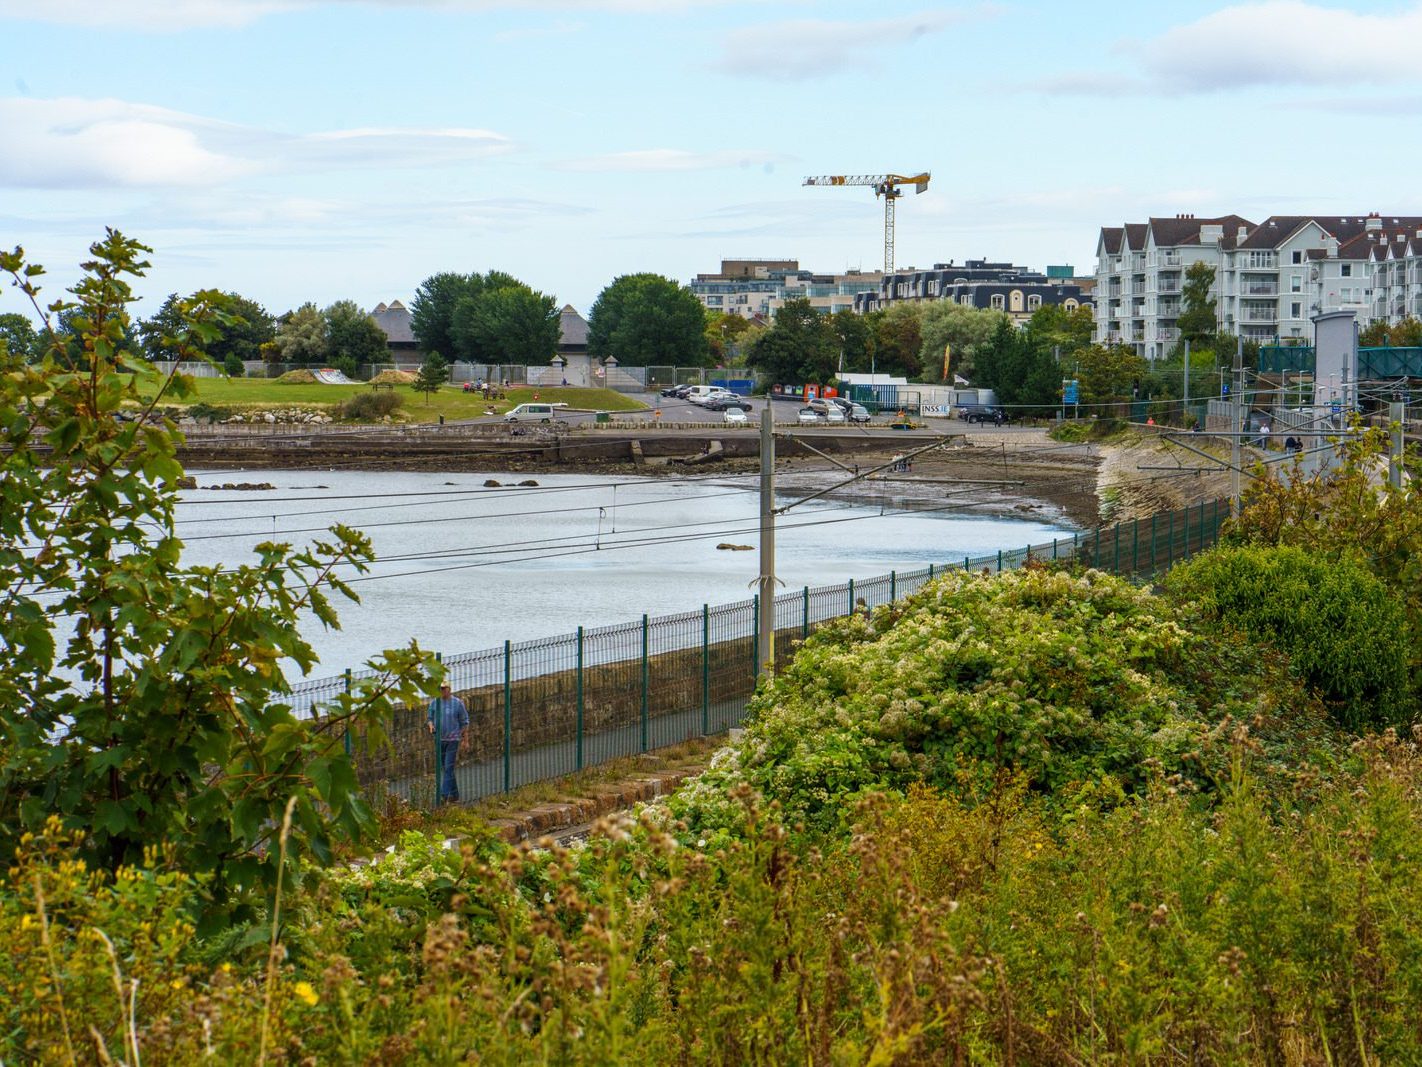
(305, 993)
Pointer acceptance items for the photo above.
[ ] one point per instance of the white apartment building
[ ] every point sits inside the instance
(1270, 278)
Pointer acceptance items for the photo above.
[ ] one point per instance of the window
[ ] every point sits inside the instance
(1015, 302)
(966, 300)
(1296, 284)
(1345, 270)
(1298, 257)
(1034, 302)
(1296, 310)
(997, 301)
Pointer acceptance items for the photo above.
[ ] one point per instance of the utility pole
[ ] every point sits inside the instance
(1185, 386)
(1397, 416)
(765, 637)
(1237, 410)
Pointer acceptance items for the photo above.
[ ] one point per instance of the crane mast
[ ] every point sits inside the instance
(890, 187)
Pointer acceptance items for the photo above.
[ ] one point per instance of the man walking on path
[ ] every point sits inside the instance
(448, 720)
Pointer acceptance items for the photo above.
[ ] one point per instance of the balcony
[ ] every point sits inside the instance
(1167, 333)
(1168, 309)
(1259, 315)
(1260, 289)
(1169, 285)
(1168, 259)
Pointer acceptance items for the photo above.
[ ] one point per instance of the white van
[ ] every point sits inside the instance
(699, 394)
(530, 413)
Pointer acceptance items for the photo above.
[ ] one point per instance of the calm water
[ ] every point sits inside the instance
(462, 567)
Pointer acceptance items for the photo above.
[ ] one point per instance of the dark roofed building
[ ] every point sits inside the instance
(572, 332)
(977, 283)
(394, 319)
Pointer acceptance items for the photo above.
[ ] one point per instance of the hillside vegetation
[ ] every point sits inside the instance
(1043, 817)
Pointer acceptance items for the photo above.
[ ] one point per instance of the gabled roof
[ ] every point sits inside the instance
(572, 328)
(394, 319)
(1135, 236)
(1171, 232)
(1111, 239)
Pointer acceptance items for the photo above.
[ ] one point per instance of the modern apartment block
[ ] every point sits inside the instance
(1271, 278)
(1018, 291)
(755, 288)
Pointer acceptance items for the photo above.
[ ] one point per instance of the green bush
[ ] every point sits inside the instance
(1345, 631)
(373, 405)
(232, 366)
(1064, 679)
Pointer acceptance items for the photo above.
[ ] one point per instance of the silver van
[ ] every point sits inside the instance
(530, 413)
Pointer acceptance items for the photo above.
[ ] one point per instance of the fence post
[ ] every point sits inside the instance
(893, 586)
(1096, 556)
(1170, 540)
(1054, 548)
(645, 649)
(705, 669)
(999, 561)
(930, 572)
(755, 629)
(1116, 550)
(1135, 547)
(967, 564)
(508, 717)
(1185, 515)
(348, 725)
(580, 699)
(437, 729)
(1152, 544)
(851, 597)
(805, 620)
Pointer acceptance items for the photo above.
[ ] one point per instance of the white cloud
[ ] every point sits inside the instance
(674, 159)
(173, 15)
(70, 143)
(809, 48)
(1277, 42)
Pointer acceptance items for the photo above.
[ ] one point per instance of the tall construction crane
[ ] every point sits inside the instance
(890, 187)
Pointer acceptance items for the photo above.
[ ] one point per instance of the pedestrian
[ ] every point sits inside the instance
(448, 719)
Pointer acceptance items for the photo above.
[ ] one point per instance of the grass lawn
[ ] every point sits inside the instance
(451, 401)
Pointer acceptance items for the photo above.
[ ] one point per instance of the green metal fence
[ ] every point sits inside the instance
(546, 708)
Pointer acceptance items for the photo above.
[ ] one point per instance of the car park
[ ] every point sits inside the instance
(735, 416)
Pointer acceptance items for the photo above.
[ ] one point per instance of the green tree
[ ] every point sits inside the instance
(645, 319)
(1197, 320)
(251, 328)
(1109, 374)
(142, 701)
(1376, 334)
(801, 346)
(432, 309)
(724, 335)
(434, 372)
(855, 338)
(898, 339)
(506, 322)
(18, 340)
(302, 336)
(353, 337)
(958, 329)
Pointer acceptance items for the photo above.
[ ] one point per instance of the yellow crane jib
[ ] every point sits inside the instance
(890, 187)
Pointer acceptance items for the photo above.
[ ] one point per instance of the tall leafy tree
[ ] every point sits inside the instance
(353, 337)
(502, 320)
(1108, 374)
(18, 339)
(801, 346)
(1197, 321)
(303, 336)
(724, 334)
(251, 328)
(644, 319)
(958, 330)
(432, 309)
(141, 700)
(855, 339)
(898, 339)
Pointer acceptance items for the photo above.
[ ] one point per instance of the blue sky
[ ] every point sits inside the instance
(297, 150)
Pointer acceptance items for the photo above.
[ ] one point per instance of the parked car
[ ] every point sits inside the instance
(736, 415)
(809, 416)
(530, 413)
(834, 414)
(858, 413)
(677, 391)
(726, 403)
(982, 413)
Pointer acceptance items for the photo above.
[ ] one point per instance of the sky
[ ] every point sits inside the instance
(295, 150)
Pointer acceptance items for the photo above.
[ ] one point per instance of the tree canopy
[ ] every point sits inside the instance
(142, 701)
(958, 328)
(506, 322)
(251, 328)
(353, 337)
(1197, 320)
(432, 309)
(801, 346)
(302, 336)
(18, 339)
(646, 319)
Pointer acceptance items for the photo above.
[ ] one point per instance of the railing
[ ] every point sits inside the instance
(543, 709)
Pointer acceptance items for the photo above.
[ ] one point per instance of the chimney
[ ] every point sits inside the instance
(1241, 234)
(1330, 247)
(1373, 223)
